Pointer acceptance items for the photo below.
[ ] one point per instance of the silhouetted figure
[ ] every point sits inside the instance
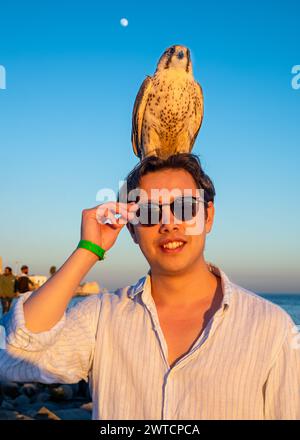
(7, 288)
(52, 270)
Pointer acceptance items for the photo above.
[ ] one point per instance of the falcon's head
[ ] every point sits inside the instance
(175, 57)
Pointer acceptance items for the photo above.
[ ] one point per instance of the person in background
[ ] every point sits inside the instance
(52, 270)
(7, 288)
(24, 283)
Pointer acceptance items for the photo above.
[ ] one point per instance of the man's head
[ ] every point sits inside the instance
(162, 181)
(7, 270)
(24, 269)
(52, 270)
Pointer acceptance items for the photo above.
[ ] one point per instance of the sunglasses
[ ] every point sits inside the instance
(183, 209)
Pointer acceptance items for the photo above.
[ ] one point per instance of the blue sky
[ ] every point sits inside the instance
(65, 120)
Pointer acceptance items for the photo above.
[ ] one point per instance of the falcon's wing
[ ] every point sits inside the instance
(196, 122)
(138, 115)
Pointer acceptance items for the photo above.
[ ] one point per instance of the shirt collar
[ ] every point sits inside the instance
(144, 285)
(226, 284)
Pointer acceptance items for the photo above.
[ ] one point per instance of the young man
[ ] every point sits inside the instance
(24, 283)
(184, 342)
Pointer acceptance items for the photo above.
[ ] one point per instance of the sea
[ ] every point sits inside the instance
(290, 302)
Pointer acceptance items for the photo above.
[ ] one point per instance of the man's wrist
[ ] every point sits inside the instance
(92, 247)
(86, 255)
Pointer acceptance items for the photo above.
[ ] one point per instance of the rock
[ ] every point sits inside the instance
(87, 406)
(22, 400)
(7, 404)
(33, 409)
(29, 389)
(45, 413)
(73, 414)
(23, 417)
(42, 397)
(8, 415)
(75, 388)
(88, 395)
(27, 401)
(43, 386)
(62, 392)
(84, 390)
(10, 389)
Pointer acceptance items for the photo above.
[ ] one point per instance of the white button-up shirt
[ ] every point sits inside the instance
(244, 365)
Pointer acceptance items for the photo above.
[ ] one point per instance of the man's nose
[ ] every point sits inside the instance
(168, 219)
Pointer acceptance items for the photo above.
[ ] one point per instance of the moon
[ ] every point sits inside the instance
(124, 22)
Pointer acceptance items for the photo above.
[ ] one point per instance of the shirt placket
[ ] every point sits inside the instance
(159, 334)
(169, 385)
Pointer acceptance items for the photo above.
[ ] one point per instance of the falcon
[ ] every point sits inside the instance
(168, 109)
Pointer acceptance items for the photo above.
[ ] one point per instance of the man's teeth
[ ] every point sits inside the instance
(173, 244)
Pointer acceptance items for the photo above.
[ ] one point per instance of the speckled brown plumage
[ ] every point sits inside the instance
(168, 109)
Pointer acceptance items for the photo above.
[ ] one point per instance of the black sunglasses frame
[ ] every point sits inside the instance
(148, 206)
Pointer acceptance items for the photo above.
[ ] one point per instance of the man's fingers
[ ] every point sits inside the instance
(117, 208)
(132, 207)
(106, 210)
(106, 216)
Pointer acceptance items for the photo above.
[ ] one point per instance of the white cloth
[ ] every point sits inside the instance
(244, 365)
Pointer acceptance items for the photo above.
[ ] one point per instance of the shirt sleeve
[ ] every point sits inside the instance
(63, 354)
(282, 389)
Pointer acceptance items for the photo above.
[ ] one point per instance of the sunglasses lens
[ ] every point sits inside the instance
(149, 214)
(185, 208)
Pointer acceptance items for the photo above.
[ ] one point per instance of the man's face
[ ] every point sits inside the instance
(6, 271)
(150, 238)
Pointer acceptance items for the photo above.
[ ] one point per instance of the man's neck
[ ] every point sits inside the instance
(194, 287)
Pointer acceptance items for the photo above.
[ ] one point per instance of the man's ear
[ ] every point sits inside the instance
(209, 218)
(130, 228)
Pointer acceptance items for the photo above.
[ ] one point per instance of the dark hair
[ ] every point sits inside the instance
(186, 161)
(52, 270)
(24, 267)
(8, 268)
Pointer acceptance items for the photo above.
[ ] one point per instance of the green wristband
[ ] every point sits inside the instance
(85, 244)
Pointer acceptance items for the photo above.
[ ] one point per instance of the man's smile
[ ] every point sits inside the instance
(174, 245)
